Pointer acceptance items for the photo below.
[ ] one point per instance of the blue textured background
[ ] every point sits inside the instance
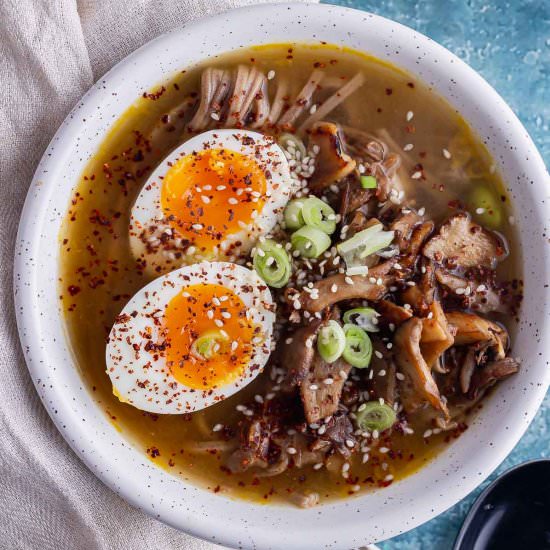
(509, 44)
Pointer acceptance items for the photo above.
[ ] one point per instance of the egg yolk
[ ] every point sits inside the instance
(211, 194)
(209, 337)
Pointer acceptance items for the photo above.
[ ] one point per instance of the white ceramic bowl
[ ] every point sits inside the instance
(348, 523)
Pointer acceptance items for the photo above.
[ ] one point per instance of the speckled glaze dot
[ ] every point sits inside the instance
(344, 524)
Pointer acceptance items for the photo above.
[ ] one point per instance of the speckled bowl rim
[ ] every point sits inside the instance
(346, 523)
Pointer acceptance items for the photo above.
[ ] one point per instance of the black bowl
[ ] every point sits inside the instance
(511, 513)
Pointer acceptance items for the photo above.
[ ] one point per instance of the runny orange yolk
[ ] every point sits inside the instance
(210, 194)
(200, 310)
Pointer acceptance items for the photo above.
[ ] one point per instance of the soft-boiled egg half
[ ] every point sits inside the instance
(191, 338)
(211, 198)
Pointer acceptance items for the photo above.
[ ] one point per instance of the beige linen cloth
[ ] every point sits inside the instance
(51, 52)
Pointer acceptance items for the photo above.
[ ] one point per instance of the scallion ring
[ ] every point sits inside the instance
(209, 344)
(272, 263)
(358, 349)
(310, 242)
(331, 341)
(290, 142)
(368, 182)
(317, 213)
(364, 317)
(375, 416)
(293, 214)
(486, 206)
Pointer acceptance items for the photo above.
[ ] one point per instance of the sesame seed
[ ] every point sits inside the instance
(421, 211)
(365, 458)
(322, 429)
(446, 153)
(345, 467)
(218, 323)
(400, 376)
(312, 110)
(215, 116)
(232, 200)
(328, 381)
(210, 314)
(226, 315)
(389, 477)
(350, 443)
(382, 373)
(334, 288)
(313, 387)
(217, 427)
(234, 345)
(417, 175)
(291, 450)
(362, 407)
(383, 450)
(427, 433)
(197, 226)
(269, 396)
(481, 288)
(460, 291)
(220, 187)
(410, 115)
(271, 75)
(348, 280)
(408, 147)
(480, 211)
(318, 466)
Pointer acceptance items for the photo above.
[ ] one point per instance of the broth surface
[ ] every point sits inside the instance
(99, 274)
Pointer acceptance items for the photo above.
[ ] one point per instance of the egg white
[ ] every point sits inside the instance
(155, 243)
(129, 368)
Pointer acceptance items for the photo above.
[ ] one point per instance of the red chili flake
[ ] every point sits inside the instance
(73, 290)
(410, 129)
(389, 91)
(217, 489)
(410, 84)
(155, 95)
(153, 452)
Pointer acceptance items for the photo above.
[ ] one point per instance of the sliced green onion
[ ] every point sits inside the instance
(375, 416)
(272, 263)
(331, 341)
(209, 344)
(364, 243)
(310, 242)
(358, 349)
(486, 206)
(364, 317)
(317, 213)
(290, 141)
(368, 182)
(293, 214)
